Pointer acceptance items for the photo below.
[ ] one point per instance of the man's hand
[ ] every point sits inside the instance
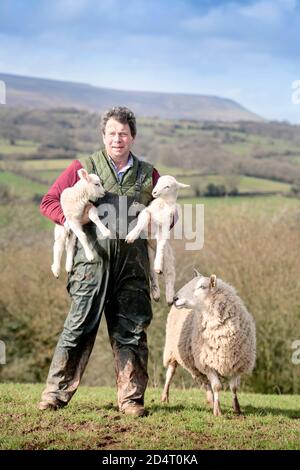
(85, 216)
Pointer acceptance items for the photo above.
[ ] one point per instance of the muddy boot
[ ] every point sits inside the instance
(131, 377)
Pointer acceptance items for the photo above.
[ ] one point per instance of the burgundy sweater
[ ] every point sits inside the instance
(50, 206)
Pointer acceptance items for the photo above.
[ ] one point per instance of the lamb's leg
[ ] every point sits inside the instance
(154, 286)
(169, 376)
(142, 224)
(159, 258)
(216, 387)
(77, 229)
(70, 245)
(93, 215)
(234, 385)
(60, 235)
(169, 272)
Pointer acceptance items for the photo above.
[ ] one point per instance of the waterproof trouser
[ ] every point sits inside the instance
(117, 282)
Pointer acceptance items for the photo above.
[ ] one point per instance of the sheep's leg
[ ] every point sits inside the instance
(60, 235)
(159, 258)
(169, 272)
(70, 246)
(234, 384)
(209, 396)
(142, 224)
(77, 229)
(154, 286)
(93, 216)
(216, 387)
(169, 376)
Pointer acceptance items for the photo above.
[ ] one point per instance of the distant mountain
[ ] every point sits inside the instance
(42, 93)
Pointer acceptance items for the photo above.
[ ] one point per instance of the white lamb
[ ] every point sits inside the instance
(160, 213)
(213, 336)
(73, 202)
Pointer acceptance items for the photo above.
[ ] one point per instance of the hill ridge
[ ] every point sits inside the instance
(45, 93)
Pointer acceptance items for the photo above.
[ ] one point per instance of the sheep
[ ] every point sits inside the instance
(74, 201)
(160, 213)
(212, 336)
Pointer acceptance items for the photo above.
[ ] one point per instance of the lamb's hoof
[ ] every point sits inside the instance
(164, 399)
(155, 293)
(170, 299)
(106, 234)
(55, 271)
(90, 256)
(130, 238)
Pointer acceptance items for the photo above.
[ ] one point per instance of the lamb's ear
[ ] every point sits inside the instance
(213, 281)
(83, 174)
(196, 273)
(182, 185)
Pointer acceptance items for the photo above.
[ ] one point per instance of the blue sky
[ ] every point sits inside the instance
(245, 50)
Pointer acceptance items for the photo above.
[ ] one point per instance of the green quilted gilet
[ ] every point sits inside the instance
(136, 181)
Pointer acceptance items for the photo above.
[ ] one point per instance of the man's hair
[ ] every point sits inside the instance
(122, 115)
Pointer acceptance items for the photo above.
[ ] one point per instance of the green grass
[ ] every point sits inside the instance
(21, 185)
(92, 421)
(25, 147)
(46, 164)
(258, 206)
(245, 184)
(175, 171)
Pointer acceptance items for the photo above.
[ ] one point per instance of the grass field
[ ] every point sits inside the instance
(92, 421)
(21, 185)
(252, 206)
(50, 170)
(244, 184)
(25, 147)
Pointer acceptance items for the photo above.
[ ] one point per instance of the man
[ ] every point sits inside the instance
(116, 281)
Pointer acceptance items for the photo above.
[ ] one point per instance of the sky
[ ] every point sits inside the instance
(247, 50)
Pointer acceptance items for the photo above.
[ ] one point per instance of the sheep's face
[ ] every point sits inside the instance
(195, 292)
(167, 186)
(184, 298)
(92, 184)
(203, 288)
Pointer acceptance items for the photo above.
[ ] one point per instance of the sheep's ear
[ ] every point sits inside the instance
(213, 281)
(196, 273)
(83, 174)
(182, 185)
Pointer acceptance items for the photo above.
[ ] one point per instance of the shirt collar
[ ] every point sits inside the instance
(121, 172)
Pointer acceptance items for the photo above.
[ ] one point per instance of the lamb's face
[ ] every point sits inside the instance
(95, 187)
(167, 186)
(195, 292)
(91, 184)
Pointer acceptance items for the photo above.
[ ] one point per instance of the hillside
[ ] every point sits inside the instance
(91, 421)
(38, 93)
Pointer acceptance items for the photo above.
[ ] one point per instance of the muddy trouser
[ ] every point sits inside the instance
(116, 281)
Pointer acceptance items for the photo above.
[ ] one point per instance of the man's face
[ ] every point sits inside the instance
(117, 140)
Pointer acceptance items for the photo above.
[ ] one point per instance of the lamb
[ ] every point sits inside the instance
(160, 213)
(212, 336)
(74, 201)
